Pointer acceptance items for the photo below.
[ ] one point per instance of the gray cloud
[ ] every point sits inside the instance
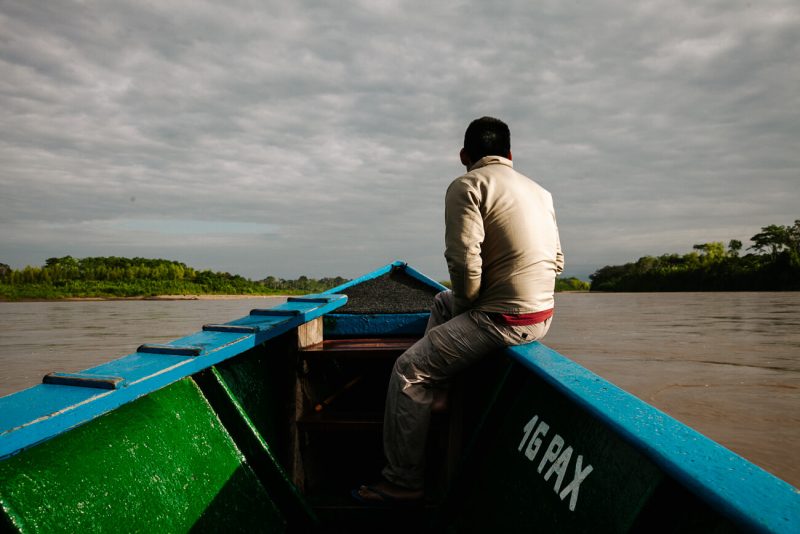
(656, 125)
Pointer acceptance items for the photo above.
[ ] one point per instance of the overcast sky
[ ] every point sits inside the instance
(318, 138)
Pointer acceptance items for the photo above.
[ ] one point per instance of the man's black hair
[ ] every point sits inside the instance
(487, 136)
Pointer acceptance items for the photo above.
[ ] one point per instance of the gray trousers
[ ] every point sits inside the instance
(449, 346)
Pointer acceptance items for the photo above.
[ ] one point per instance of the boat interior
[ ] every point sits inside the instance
(318, 398)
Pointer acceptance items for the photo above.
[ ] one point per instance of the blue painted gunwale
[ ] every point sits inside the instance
(739, 489)
(422, 278)
(397, 264)
(47, 410)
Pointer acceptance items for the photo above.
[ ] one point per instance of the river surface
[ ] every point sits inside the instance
(726, 364)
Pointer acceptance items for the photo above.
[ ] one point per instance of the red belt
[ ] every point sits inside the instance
(521, 319)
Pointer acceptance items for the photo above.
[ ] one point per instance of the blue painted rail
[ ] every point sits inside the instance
(737, 488)
(67, 400)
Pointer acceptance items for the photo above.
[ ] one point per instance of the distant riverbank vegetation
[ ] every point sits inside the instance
(571, 284)
(113, 277)
(774, 265)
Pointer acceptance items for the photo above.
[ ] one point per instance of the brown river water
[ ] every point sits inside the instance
(726, 364)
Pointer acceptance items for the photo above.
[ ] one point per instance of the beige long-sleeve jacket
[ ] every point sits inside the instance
(501, 239)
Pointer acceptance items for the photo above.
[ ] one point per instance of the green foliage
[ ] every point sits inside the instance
(778, 239)
(713, 268)
(571, 284)
(302, 284)
(137, 277)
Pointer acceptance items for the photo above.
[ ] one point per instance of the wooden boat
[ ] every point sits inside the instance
(266, 423)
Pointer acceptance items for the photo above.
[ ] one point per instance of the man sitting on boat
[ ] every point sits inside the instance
(503, 255)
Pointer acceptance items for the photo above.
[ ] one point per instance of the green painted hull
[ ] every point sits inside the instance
(163, 462)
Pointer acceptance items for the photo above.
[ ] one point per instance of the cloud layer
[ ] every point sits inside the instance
(318, 139)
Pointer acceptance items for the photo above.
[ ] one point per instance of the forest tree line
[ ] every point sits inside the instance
(134, 277)
(773, 265)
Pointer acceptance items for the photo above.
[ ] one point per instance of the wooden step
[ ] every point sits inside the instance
(358, 348)
(331, 419)
(328, 415)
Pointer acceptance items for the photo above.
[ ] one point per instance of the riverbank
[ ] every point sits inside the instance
(105, 278)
